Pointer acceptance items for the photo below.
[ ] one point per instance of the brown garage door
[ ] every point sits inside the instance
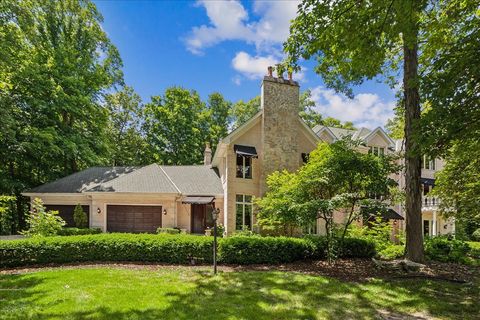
(66, 212)
(133, 218)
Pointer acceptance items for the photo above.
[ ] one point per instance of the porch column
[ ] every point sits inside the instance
(434, 223)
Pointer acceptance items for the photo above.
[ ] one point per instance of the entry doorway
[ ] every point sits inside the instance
(201, 218)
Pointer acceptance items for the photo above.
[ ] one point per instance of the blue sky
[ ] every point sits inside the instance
(222, 46)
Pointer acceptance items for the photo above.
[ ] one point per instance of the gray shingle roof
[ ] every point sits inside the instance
(148, 179)
(188, 180)
(195, 180)
(83, 180)
(339, 133)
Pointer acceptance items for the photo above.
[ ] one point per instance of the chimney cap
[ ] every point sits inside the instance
(270, 71)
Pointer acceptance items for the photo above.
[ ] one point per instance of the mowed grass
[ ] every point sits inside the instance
(186, 293)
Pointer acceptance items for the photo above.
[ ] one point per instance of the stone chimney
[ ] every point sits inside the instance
(280, 125)
(207, 155)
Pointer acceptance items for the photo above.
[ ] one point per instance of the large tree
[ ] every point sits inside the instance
(56, 63)
(176, 127)
(354, 41)
(127, 145)
(219, 117)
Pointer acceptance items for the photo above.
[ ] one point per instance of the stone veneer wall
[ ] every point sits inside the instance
(280, 103)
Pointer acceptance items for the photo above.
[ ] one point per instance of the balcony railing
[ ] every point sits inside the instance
(429, 203)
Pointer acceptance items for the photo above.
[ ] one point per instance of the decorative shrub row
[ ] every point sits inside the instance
(173, 249)
(168, 230)
(348, 248)
(164, 248)
(78, 231)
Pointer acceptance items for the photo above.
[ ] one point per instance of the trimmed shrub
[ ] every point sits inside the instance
(350, 248)
(168, 230)
(43, 223)
(476, 235)
(164, 248)
(444, 249)
(78, 231)
(255, 249)
(392, 252)
(80, 217)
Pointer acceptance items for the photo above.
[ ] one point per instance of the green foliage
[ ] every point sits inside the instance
(80, 217)
(43, 223)
(168, 230)
(56, 63)
(176, 127)
(243, 111)
(476, 235)
(347, 248)
(444, 249)
(255, 249)
(219, 118)
(127, 144)
(7, 214)
(392, 252)
(377, 231)
(332, 122)
(78, 231)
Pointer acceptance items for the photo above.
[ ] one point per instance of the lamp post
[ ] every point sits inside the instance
(215, 213)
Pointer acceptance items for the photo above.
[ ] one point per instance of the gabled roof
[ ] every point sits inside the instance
(187, 180)
(362, 133)
(83, 180)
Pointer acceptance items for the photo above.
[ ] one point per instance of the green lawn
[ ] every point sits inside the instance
(185, 293)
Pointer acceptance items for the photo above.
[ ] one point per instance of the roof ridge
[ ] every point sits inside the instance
(170, 179)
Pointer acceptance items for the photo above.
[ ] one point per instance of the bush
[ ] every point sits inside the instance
(80, 217)
(78, 231)
(392, 252)
(256, 249)
(443, 249)
(476, 235)
(7, 214)
(168, 230)
(475, 249)
(163, 248)
(41, 222)
(350, 248)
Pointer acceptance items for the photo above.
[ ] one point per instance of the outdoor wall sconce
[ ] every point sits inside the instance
(99, 210)
(164, 211)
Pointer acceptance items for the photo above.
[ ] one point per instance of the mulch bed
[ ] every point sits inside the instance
(352, 270)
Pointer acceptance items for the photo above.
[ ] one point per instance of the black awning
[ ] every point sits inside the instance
(427, 181)
(246, 151)
(198, 200)
(385, 213)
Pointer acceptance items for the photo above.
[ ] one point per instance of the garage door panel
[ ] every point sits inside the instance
(127, 218)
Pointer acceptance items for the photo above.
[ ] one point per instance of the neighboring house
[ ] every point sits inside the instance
(141, 199)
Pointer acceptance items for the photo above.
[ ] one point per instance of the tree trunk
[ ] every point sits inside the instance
(413, 202)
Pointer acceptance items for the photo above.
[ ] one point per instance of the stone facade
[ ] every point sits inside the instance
(280, 105)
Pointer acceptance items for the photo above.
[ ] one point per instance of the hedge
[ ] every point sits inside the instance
(78, 231)
(167, 248)
(444, 249)
(255, 249)
(348, 248)
(163, 248)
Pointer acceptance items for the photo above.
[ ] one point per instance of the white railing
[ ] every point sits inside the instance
(430, 203)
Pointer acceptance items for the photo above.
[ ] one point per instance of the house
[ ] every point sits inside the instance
(141, 199)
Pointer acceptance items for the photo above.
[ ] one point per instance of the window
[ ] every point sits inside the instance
(244, 210)
(244, 167)
(377, 151)
(428, 163)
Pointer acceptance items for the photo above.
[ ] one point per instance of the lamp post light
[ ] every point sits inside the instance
(215, 213)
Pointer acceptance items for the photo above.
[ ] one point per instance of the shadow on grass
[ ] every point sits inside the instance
(265, 295)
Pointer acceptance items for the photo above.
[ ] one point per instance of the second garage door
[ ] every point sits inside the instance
(122, 218)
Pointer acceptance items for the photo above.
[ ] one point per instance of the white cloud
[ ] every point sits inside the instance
(364, 110)
(237, 80)
(252, 67)
(230, 21)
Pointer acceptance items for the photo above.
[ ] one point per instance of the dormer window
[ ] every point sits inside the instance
(244, 160)
(378, 151)
(244, 167)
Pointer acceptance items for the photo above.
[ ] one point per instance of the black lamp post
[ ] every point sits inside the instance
(215, 213)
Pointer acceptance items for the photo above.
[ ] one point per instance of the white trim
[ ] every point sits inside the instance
(330, 132)
(311, 134)
(380, 130)
(169, 179)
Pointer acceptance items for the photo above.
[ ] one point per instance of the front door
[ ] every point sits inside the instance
(201, 218)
